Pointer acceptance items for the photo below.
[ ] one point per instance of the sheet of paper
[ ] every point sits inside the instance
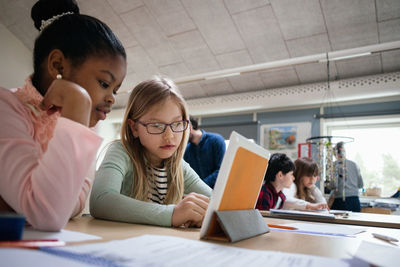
(63, 235)
(356, 262)
(155, 250)
(31, 257)
(326, 228)
(382, 255)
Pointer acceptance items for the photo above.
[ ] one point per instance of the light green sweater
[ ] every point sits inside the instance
(112, 186)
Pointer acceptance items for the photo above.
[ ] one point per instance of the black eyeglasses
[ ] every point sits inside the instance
(159, 128)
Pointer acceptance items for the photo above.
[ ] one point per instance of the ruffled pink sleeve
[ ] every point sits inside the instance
(44, 187)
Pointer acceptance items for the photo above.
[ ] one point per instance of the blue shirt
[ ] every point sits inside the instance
(206, 157)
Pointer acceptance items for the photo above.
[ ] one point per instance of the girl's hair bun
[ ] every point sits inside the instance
(46, 9)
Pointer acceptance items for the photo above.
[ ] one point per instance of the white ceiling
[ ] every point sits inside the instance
(179, 38)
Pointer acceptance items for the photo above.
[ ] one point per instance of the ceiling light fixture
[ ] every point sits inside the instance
(345, 57)
(317, 58)
(222, 76)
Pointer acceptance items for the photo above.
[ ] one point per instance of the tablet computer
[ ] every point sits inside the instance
(238, 183)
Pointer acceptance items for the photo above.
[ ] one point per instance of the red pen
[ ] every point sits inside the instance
(32, 244)
(282, 227)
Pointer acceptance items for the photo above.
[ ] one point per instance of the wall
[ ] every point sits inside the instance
(17, 57)
(369, 109)
(245, 124)
(233, 122)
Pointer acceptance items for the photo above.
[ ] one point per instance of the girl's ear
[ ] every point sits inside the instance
(57, 63)
(133, 127)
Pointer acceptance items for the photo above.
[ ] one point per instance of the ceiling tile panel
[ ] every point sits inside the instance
(388, 9)
(359, 66)
(309, 45)
(279, 78)
(216, 87)
(146, 68)
(350, 23)
(315, 72)
(236, 6)
(194, 51)
(215, 24)
(260, 31)
(234, 59)
(390, 61)
(246, 82)
(12, 12)
(101, 9)
(171, 16)
(389, 30)
(130, 81)
(299, 18)
(149, 34)
(123, 6)
(191, 90)
(174, 70)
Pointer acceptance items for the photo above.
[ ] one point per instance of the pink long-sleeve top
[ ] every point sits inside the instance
(44, 160)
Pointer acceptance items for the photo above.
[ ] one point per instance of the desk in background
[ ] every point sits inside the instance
(354, 218)
(380, 205)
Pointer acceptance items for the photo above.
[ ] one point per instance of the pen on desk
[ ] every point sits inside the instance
(35, 243)
(282, 227)
(385, 237)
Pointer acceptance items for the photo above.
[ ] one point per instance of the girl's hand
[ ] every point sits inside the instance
(71, 99)
(190, 211)
(317, 206)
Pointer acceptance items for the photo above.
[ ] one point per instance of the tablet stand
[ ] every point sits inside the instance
(236, 225)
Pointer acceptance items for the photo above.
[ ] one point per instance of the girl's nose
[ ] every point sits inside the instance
(168, 134)
(110, 98)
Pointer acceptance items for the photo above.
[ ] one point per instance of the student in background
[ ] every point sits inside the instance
(46, 147)
(204, 152)
(143, 178)
(303, 194)
(279, 175)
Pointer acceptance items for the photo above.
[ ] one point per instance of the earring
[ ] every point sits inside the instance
(59, 76)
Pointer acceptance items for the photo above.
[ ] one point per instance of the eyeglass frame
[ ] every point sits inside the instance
(165, 126)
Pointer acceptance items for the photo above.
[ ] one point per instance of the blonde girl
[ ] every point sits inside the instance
(303, 194)
(143, 178)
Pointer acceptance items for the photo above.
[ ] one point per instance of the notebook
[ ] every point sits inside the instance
(238, 183)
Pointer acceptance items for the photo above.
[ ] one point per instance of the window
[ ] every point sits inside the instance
(376, 149)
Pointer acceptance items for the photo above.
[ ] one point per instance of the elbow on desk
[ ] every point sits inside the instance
(95, 210)
(48, 222)
(45, 216)
(96, 205)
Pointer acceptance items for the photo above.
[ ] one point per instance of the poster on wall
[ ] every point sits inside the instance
(284, 138)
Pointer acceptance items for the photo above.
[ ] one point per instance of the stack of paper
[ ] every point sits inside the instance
(155, 250)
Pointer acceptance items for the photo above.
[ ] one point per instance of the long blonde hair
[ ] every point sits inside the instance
(144, 96)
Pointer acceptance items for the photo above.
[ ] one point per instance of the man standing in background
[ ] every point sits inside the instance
(204, 152)
(349, 182)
